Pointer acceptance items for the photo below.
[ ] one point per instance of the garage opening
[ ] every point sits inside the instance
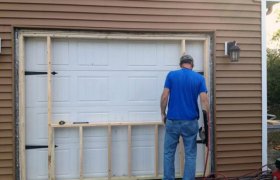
(89, 102)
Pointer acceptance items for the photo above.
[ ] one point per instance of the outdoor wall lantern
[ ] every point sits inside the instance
(232, 50)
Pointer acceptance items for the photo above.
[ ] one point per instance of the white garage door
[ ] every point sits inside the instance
(99, 81)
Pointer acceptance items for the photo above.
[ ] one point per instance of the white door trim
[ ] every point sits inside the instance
(264, 87)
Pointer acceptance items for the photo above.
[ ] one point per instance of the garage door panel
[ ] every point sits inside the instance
(60, 52)
(66, 136)
(37, 164)
(169, 55)
(40, 128)
(100, 88)
(97, 114)
(36, 124)
(142, 150)
(147, 56)
(112, 68)
(120, 151)
(95, 165)
(121, 92)
(117, 114)
(93, 116)
(115, 54)
(101, 81)
(66, 157)
(93, 88)
(66, 153)
(76, 114)
(62, 114)
(200, 158)
(118, 84)
(41, 95)
(96, 151)
(93, 53)
(196, 49)
(140, 116)
(36, 97)
(118, 89)
(143, 161)
(142, 88)
(95, 132)
(98, 104)
(36, 53)
(119, 156)
(61, 89)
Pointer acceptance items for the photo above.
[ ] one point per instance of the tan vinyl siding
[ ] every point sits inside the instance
(237, 85)
(7, 138)
(239, 141)
(238, 107)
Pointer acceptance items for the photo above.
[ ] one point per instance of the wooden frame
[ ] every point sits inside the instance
(22, 109)
(181, 145)
(52, 126)
(109, 141)
(116, 36)
(81, 134)
(156, 150)
(51, 155)
(129, 164)
(207, 75)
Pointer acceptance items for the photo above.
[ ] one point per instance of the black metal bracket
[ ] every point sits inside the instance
(37, 146)
(38, 73)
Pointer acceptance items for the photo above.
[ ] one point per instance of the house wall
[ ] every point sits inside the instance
(237, 85)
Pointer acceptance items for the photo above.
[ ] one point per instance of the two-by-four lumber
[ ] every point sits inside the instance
(109, 140)
(156, 150)
(183, 46)
(51, 155)
(171, 37)
(22, 109)
(129, 151)
(105, 124)
(181, 149)
(81, 149)
(206, 60)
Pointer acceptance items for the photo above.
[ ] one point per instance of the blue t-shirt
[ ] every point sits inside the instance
(185, 86)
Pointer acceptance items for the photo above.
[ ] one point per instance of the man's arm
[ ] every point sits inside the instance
(163, 103)
(204, 102)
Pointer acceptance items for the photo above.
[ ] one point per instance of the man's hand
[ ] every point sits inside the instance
(163, 103)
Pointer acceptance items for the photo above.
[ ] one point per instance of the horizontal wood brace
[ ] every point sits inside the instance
(187, 37)
(92, 124)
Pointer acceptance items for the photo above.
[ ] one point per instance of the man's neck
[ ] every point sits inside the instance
(186, 66)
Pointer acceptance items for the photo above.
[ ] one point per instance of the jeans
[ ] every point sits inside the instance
(173, 130)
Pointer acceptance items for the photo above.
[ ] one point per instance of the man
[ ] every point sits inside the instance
(181, 90)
